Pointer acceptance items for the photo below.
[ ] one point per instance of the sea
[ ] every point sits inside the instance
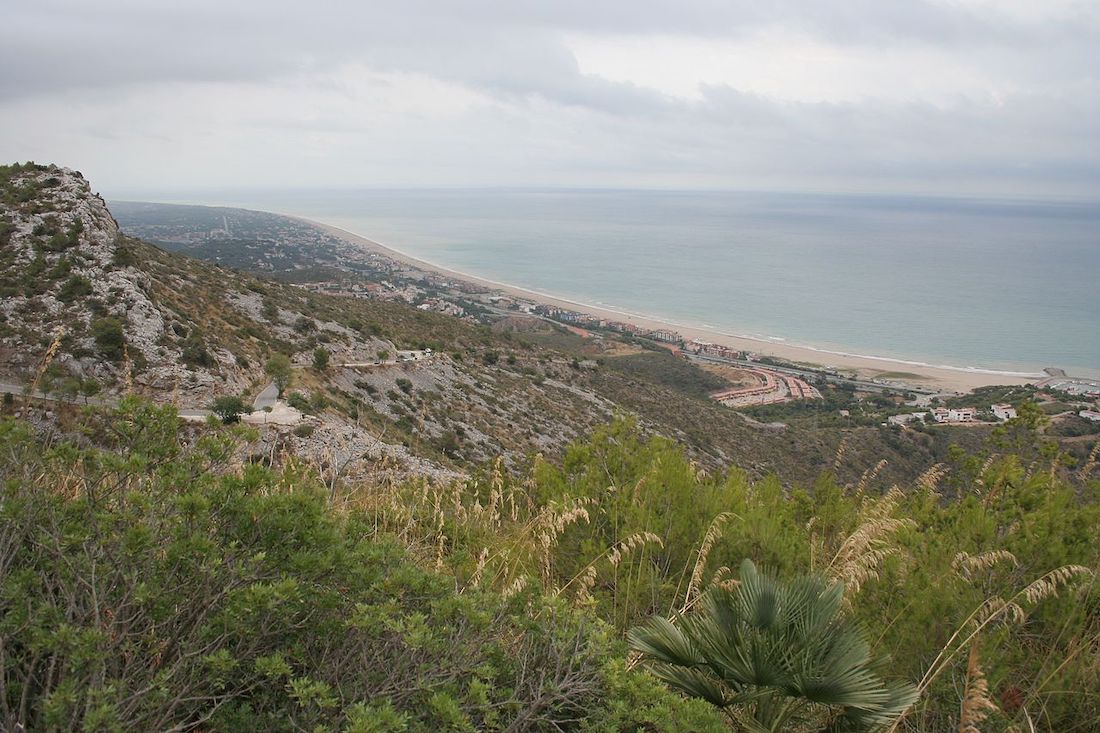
(990, 284)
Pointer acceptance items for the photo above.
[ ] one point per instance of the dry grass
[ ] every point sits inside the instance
(998, 610)
(861, 555)
(929, 481)
(966, 566)
(841, 449)
(586, 578)
(1090, 464)
(713, 534)
(51, 352)
(976, 703)
(868, 476)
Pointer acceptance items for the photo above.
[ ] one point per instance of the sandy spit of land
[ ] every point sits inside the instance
(945, 378)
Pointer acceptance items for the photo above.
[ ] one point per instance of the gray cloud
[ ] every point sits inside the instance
(507, 46)
(338, 88)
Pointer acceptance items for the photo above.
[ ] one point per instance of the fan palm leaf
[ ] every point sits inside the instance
(776, 655)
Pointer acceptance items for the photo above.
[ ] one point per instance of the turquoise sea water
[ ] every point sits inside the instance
(968, 283)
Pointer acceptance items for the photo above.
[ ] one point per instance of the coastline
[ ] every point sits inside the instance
(918, 373)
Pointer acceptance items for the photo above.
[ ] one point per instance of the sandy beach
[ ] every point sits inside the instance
(940, 377)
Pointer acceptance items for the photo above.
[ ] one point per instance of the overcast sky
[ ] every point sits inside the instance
(998, 97)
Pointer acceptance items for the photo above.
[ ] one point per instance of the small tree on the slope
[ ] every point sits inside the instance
(775, 656)
(89, 388)
(229, 408)
(320, 359)
(110, 338)
(278, 368)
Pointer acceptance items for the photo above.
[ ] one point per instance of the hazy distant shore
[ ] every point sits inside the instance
(944, 377)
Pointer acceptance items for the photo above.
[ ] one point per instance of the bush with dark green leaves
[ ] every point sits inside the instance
(148, 585)
(229, 408)
(298, 401)
(110, 339)
(195, 353)
(321, 358)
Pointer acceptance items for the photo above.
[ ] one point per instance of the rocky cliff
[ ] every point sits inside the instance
(68, 274)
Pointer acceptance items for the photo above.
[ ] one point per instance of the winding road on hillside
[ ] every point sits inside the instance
(266, 407)
(267, 398)
(17, 389)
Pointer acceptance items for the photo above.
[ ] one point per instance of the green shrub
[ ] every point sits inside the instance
(110, 339)
(298, 401)
(75, 287)
(229, 408)
(278, 367)
(194, 352)
(148, 586)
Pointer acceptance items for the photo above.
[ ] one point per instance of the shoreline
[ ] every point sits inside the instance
(937, 376)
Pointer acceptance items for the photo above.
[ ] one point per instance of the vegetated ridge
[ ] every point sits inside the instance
(156, 575)
(130, 317)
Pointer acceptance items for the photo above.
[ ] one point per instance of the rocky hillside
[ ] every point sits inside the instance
(65, 276)
(121, 309)
(117, 309)
(93, 304)
(125, 315)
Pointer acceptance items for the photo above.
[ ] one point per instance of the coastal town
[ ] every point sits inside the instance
(328, 261)
(761, 383)
(764, 380)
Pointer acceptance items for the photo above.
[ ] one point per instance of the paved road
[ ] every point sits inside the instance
(17, 389)
(267, 397)
(403, 357)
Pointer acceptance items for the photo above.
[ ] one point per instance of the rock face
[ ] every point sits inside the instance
(64, 273)
(97, 306)
(135, 318)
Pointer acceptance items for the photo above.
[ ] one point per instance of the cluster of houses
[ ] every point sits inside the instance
(439, 305)
(1076, 386)
(386, 290)
(770, 388)
(695, 346)
(382, 290)
(953, 415)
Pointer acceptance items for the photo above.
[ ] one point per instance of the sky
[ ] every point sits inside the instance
(968, 97)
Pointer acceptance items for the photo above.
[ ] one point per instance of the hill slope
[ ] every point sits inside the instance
(181, 330)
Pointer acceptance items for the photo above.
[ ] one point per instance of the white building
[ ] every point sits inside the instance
(1004, 412)
(667, 336)
(1090, 415)
(906, 418)
(955, 414)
